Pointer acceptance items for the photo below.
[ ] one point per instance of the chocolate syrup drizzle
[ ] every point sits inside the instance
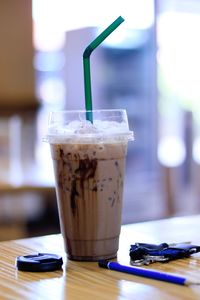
(85, 171)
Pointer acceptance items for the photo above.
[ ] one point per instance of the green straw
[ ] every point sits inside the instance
(86, 64)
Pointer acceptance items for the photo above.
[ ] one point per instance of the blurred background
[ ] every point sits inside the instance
(149, 66)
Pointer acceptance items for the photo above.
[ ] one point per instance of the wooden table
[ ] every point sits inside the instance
(83, 280)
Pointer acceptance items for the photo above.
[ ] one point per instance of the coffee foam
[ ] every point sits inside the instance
(87, 132)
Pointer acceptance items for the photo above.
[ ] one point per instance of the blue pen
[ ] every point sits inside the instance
(145, 273)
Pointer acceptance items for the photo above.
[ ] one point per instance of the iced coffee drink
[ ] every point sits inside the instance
(89, 163)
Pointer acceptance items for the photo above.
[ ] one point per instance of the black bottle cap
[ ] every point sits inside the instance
(41, 262)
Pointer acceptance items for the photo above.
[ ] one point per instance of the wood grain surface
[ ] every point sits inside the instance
(84, 280)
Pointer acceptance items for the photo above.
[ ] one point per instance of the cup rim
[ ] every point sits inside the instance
(56, 128)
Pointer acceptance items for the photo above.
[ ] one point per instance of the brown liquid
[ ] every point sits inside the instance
(89, 187)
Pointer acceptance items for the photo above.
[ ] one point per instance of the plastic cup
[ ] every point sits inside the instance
(89, 162)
